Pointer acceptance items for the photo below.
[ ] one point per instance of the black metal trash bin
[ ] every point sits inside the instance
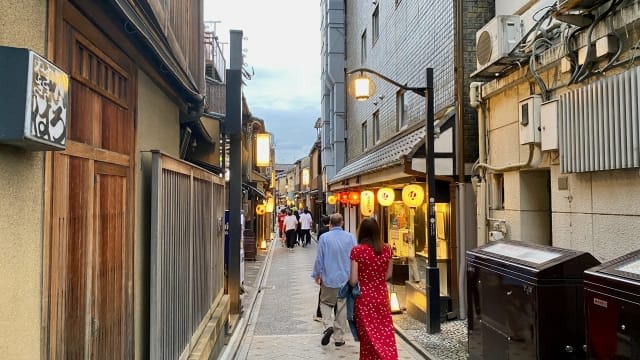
(526, 301)
(612, 295)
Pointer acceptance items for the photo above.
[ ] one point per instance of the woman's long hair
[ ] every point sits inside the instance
(369, 233)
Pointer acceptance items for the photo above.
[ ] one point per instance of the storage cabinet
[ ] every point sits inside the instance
(525, 301)
(612, 292)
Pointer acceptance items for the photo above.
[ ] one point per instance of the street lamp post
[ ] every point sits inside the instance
(362, 88)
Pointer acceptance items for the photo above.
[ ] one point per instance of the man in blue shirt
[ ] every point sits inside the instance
(331, 272)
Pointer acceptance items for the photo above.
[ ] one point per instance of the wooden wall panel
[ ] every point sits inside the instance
(88, 289)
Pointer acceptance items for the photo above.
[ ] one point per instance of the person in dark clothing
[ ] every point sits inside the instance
(298, 229)
(324, 227)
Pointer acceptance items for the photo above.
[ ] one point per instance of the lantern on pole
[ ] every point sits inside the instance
(412, 195)
(386, 196)
(354, 197)
(367, 203)
(332, 199)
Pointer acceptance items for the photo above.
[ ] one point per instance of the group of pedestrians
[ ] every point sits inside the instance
(352, 277)
(295, 227)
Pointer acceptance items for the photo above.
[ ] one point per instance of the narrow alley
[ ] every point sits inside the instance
(280, 323)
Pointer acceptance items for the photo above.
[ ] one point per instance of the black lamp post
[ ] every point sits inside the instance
(362, 88)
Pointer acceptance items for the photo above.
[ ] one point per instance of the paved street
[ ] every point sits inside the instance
(281, 326)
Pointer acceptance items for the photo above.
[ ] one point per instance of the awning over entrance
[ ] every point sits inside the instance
(254, 190)
(387, 155)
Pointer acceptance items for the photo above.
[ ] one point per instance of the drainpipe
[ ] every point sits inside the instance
(479, 183)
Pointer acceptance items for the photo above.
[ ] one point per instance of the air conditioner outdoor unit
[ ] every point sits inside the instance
(495, 41)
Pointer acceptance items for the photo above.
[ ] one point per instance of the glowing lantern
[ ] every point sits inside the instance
(354, 198)
(260, 209)
(367, 203)
(386, 196)
(413, 195)
(263, 149)
(332, 199)
(269, 206)
(344, 197)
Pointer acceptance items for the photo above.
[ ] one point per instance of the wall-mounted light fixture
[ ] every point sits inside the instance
(305, 176)
(263, 149)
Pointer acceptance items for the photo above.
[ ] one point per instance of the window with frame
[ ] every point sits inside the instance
(363, 47)
(401, 109)
(364, 135)
(376, 126)
(375, 24)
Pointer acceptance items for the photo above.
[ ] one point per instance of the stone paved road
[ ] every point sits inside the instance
(281, 325)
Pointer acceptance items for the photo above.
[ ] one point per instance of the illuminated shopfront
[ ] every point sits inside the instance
(405, 231)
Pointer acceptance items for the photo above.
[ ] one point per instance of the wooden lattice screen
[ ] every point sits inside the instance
(187, 254)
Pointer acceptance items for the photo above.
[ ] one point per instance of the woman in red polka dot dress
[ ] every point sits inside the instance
(371, 267)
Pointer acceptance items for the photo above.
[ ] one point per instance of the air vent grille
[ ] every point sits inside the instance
(484, 48)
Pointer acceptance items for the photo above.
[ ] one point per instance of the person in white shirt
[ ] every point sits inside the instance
(290, 224)
(305, 226)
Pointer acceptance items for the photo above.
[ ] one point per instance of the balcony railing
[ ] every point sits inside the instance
(215, 62)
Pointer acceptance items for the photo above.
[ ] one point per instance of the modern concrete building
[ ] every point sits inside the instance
(380, 143)
(559, 120)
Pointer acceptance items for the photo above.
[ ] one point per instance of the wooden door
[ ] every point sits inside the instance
(88, 296)
(107, 313)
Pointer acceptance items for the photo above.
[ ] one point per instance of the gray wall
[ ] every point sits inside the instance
(414, 35)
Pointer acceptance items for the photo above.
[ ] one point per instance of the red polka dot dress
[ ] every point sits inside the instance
(372, 310)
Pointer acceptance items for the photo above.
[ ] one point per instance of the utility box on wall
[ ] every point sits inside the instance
(529, 119)
(34, 100)
(526, 301)
(612, 296)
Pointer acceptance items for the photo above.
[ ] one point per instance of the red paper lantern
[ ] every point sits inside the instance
(354, 197)
(344, 197)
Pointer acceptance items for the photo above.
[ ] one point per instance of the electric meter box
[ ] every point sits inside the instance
(526, 301)
(612, 295)
(34, 100)
(529, 119)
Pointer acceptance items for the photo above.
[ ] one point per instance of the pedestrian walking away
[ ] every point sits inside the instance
(290, 224)
(370, 268)
(281, 215)
(298, 232)
(323, 228)
(331, 271)
(305, 227)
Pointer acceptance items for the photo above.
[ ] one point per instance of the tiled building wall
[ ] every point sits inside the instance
(477, 14)
(414, 35)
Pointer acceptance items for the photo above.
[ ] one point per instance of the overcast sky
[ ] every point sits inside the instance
(282, 45)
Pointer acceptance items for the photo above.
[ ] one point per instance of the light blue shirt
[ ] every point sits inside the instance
(333, 262)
